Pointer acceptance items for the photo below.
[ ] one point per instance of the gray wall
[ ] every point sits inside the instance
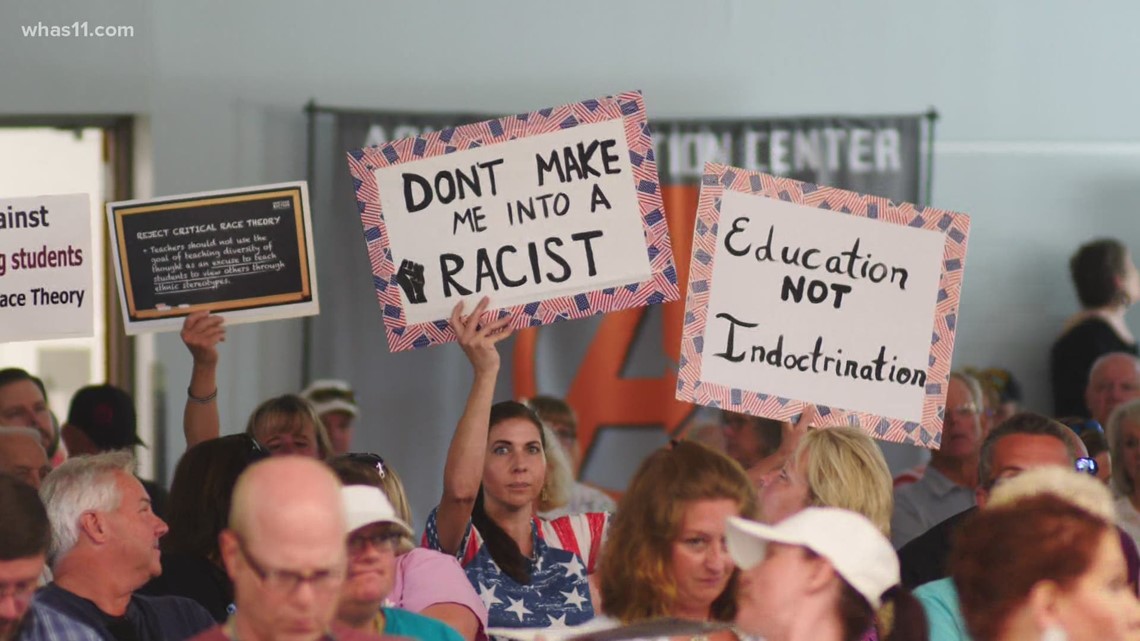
(1039, 139)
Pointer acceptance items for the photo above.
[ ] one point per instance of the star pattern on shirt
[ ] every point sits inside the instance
(574, 568)
(560, 622)
(518, 608)
(574, 599)
(488, 596)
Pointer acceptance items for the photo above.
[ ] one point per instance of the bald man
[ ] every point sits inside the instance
(1114, 379)
(22, 455)
(286, 554)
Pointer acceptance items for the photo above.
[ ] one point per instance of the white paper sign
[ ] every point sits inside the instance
(815, 294)
(45, 268)
(540, 217)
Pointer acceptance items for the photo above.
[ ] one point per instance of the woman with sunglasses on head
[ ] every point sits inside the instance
(426, 581)
(531, 573)
(197, 511)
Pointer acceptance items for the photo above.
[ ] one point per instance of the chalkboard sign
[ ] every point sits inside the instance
(246, 253)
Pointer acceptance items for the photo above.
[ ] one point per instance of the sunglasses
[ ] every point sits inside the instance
(368, 458)
(1087, 465)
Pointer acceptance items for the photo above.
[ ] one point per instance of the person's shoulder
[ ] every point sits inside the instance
(424, 628)
(169, 605)
(44, 622)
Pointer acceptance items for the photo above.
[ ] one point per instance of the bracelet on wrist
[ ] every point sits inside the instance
(201, 399)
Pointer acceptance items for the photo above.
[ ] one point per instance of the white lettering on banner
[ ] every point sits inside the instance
(839, 309)
(783, 151)
(532, 219)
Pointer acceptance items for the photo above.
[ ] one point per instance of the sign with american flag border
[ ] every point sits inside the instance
(554, 214)
(801, 295)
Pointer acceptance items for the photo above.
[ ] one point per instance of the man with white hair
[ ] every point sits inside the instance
(104, 547)
(22, 455)
(1113, 380)
(285, 551)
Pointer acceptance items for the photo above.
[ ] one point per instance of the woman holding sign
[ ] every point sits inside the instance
(530, 572)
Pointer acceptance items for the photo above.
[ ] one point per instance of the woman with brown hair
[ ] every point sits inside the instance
(531, 572)
(1043, 568)
(1107, 284)
(665, 553)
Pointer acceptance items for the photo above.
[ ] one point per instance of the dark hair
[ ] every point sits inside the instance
(1021, 423)
(769, 431)
(353, 472)
(1000, 553)
(1094, 268)
(502, 548)
(24, 530)
(14, 375)
(1094, 441)
(636, 582)
(907, 617)
(202, 490)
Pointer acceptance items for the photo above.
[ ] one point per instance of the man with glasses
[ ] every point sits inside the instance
(24, 538)
(104, 547)
(374, 534)
(1024, 441)
(948, 485)
(285, 552)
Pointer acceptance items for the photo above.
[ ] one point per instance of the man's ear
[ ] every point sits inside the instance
(93, 525)
(227, 545)
(981, 495)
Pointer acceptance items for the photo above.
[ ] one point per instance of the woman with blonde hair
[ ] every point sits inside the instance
(834, 467)
(665, 554)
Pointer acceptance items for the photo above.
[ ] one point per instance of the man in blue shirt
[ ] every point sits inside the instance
(104, 547)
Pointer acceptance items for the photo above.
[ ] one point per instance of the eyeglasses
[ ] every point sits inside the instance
(21, 591)
(382, 541)
(368, 458)
(962, 411)
(285, 581)
(1087, 465)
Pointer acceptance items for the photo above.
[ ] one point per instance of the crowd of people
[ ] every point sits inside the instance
(1022, 525)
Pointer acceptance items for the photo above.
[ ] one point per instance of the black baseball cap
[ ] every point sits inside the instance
(106, 414)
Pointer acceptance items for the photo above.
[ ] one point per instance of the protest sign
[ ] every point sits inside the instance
(554, 215)
(801, 294)
(246, 253)
(45, 268)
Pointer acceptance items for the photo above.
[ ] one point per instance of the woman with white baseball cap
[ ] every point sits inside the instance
(818, 575)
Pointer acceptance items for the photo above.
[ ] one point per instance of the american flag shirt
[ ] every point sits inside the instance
(566, 551)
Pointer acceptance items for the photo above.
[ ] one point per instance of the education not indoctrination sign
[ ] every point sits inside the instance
(801, 294)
